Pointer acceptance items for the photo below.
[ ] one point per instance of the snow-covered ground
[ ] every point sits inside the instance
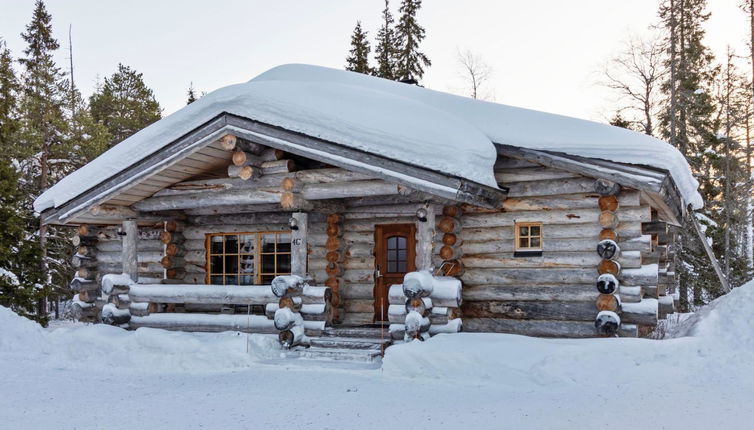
(101, 377)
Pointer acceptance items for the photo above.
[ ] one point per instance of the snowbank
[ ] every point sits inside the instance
(717, 339)
(18, 333)
(440, 131)
(700, 379)
(144, 350)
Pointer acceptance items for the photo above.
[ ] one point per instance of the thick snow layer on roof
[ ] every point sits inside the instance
(355, 116)
(439, 131)
(524, 127)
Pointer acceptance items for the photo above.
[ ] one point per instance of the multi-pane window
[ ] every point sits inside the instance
(529, 236)
(247, 258)
(397, 254)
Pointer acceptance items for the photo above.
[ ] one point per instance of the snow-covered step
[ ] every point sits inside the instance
(354, 355)
(348, 342)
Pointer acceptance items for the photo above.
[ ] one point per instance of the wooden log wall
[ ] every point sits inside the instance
(87, 305)
(553, 294)
(150, 251)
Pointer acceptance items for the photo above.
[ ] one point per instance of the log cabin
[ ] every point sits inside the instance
(326, 205)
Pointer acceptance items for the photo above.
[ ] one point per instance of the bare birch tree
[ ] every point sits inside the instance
(636, 74)
(475, 72)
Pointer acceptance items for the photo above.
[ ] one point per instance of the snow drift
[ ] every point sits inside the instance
(717, 339)
(451, 134)
(722, 330)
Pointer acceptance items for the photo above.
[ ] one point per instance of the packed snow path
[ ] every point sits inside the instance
(104, 377)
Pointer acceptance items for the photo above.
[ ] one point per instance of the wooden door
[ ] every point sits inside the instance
(395, 255)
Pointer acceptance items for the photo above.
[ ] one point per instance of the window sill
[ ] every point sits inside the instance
(527, 253)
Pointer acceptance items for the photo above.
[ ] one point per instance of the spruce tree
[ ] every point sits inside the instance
(124, 104)
(411, 62)
(41, 148)
(41, 141)
(9, 89)
(386, 50)
(191, 94)
(358, 58)
(21, 274)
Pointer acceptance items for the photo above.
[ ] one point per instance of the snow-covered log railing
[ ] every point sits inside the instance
(290, 313)
(217, 323)
(424, 305)
(115, 289)
(218, 294)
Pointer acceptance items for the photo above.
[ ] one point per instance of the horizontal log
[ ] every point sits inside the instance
(83, 240)
(203, 199)
(117, 257)
(564, 202)
(351, 189)
(251, 218)
(541, 328)
(199, 232)
(309, 312)
(507, 246)
(630, 294)
(216, 323)
(646, 275)
(219, 294)
(549, 187)
(642, 313)
(552, 231)
(526, 174)
(527, 276)
(531, 310)
(141, 245)
(629, 259)
(83, 261)
(357, 291)
(144, 267)
(359, 306)
(559, 216)
(585, 292)
(143, 234)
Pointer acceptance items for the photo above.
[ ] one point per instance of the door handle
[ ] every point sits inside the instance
(377, 273)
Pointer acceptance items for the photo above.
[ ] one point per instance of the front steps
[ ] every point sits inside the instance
(364, 344)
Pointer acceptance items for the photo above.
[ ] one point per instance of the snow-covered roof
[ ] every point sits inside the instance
(443, 132)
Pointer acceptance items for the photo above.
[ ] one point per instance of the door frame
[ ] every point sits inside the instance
(380, 256)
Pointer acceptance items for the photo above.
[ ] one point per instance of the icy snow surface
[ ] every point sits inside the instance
(701, 378)
(440, 131)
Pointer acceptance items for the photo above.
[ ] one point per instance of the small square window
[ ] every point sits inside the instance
(529, 237)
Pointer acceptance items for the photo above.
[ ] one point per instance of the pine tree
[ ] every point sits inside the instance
(411, 61)
(191, 94)
(21, 275)
(619, 121)
(87, 138)
(358, 58)
(124, 104)
(386, 50)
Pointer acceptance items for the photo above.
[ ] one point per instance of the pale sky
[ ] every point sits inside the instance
(546, 54)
